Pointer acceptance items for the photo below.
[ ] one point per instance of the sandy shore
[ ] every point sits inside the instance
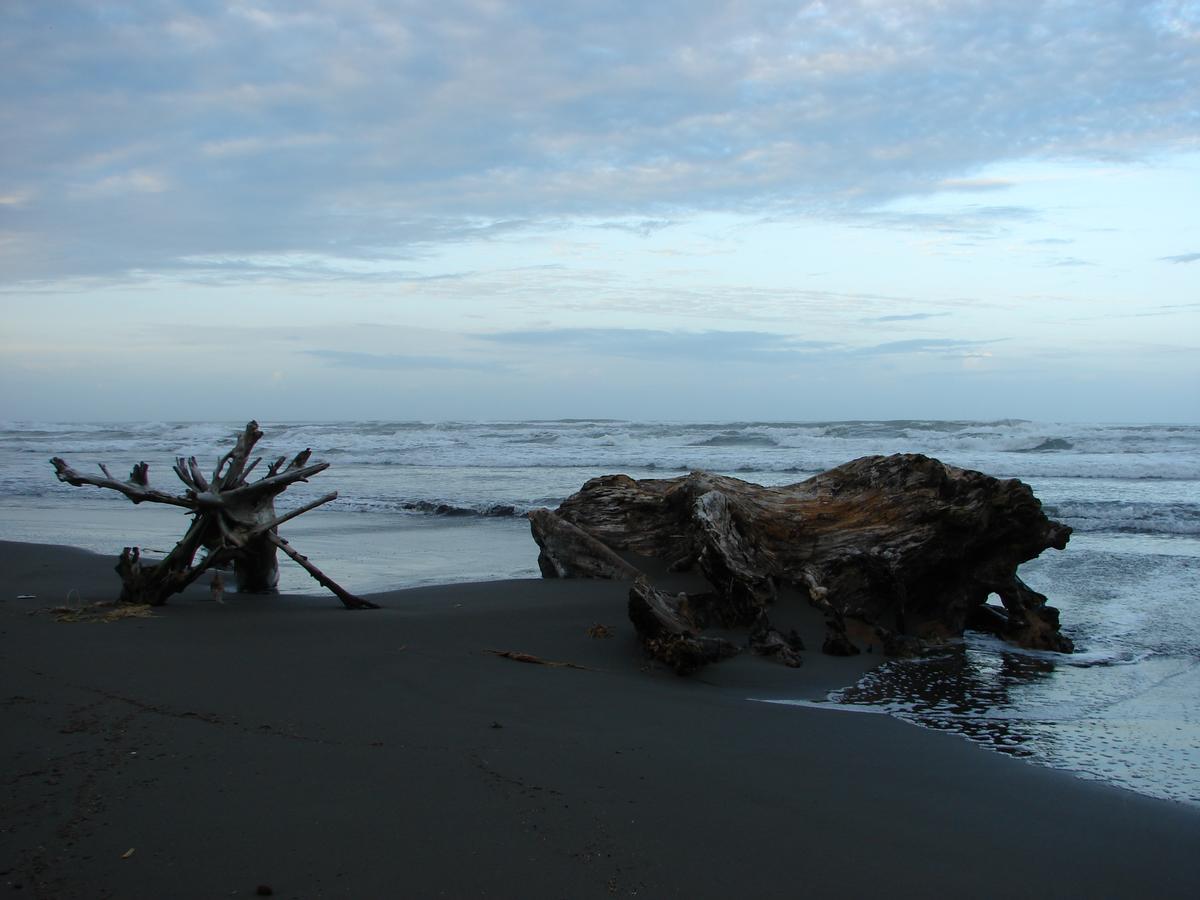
(285, 743)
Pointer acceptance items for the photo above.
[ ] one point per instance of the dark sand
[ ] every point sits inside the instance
(282, 741)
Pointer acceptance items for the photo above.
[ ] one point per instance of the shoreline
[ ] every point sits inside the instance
(362, 549)
(280, 740)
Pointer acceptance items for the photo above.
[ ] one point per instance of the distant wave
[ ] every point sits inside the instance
(494, 511)
(737, 439)
(1122, 517)
(543, 437)
(448, 462)
(434, 508)
(1047, 445)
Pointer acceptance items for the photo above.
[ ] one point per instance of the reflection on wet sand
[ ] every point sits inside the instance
(1054, 710)
(960, 690)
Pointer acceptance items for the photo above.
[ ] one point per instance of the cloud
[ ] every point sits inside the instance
(968, 220)
(242, 146)
(714, 346)
(720, 347)
(135, 181)
(360, 128)
(401, 361)
(924, 346)
(15, 198)
(640, 227)
(974, 184)
(1182, 258)
(908, 317)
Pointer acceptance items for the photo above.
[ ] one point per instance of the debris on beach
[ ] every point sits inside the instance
(896, 551)
(234, 524)
(102, 611)
(521, 656)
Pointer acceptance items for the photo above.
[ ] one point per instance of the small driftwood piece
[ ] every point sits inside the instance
(669, 630)
(895, 551)
(234, 523)
(523, 657)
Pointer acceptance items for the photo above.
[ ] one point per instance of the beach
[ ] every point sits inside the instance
(282, 744)
(843, 356)
(423, 504)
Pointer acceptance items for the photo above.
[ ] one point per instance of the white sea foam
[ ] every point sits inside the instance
(827, 705)
(1138, 479)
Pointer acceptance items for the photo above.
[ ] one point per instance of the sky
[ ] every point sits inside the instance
(681, 210)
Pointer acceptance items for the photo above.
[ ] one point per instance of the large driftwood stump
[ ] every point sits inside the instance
(234, 523)
(895, 550)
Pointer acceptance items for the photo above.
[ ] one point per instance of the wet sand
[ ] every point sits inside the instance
(283, 743)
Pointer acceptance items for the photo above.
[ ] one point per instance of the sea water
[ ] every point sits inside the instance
(423, 503)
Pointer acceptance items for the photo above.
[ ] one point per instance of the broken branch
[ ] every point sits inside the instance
(520, 656)
(134, 490)
(275, 523)
(351, 601)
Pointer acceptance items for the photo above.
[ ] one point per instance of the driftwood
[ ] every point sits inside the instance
(234, 523)
(671, 632)
(895, 551)
(523, 657)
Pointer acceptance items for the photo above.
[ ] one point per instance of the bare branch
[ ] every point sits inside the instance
(351, 601)
(154, 584)
(181, 471)
(217, 477)
(228, 535)
(301, 458)
(275, 523)
(136, 491)
(241, 452)
(275, 483)
(197, 475)
(185, 549)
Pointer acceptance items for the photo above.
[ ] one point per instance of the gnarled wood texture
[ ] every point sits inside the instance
(906, 546)
(235, 522)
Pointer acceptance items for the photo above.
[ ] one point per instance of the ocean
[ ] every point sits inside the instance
(423, 503)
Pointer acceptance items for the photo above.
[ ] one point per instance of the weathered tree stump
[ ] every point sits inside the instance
(234, 523)
(904, 547)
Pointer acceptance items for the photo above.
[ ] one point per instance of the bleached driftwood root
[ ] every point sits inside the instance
(234, 522)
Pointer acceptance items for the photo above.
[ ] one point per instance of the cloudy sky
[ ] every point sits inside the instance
(681, 209)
